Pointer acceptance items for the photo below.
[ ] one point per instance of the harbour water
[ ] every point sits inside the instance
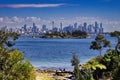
(56, 53)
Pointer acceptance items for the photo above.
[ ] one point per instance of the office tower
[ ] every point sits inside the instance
(55, 29)
(53, 25)
(44, 28)
(80, 27)
(34, 28)
(85, 26)
(61, 27)
(75, 26)
(33, 24)
(25, 28)
(101, 29)
(100, 24)
(96, 28)
(90, 28)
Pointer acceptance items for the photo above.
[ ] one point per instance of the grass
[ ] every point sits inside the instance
(43, 76)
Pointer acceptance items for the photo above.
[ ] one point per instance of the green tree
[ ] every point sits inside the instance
(75, 63)
(6, 38)
(80, 72)
(13, 66)
(117, 35)
(116, 75)
(117, 56)
(79, 33)
(94, 66)
(99, 43)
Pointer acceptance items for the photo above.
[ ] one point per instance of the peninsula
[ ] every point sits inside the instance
(74, 34)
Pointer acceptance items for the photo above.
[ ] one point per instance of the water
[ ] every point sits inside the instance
(56, 53)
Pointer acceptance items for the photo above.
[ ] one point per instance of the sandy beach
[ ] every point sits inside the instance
(52, 75)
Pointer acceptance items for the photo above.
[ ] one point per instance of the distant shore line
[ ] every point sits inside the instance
(54, 68)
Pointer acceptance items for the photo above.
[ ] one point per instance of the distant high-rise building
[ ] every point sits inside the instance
(68, 28)
(44, 28)
(80, 27)
(25, 27)
(90, 27)
(96, 29)
(61, 27)
(33, 24)
(85, 26)
(75, 26)
(53, 24)
(55, 29)
(34, 28)
(96, 24)
(101, 30)
(101, 25)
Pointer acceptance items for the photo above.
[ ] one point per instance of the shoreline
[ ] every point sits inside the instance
(53, 68)
(43, 74)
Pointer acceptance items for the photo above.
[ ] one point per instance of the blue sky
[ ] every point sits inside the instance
(106, 11)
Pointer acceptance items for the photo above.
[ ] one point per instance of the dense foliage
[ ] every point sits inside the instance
(74, 34)
(13, 66)
(102, 67)
(75, 63)
(117, 35)
(79, 73)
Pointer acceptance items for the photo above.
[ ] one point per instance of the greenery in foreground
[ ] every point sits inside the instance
(101, 67)
(74, 34)
(13, 66)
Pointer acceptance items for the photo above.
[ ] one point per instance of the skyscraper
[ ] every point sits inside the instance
(75, 26)
(100, 24)
(25, 28)
(85, 26)
(80, 27)
(61, 27)
(96, 30)
(101, 29)
(34, 28)
(43, 27)
(90, 28)
(53, 25)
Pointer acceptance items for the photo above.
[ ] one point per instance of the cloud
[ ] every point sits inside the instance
(1, 19)
(16, 19)
(32, 19)
(7, 20)
(29, 5)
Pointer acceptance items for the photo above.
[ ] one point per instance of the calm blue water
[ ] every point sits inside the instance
(56, 53)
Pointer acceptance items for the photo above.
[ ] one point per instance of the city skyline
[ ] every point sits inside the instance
(96, 28)
(65, 11)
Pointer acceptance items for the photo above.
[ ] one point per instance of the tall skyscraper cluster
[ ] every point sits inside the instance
(96, 28)
(89, 28)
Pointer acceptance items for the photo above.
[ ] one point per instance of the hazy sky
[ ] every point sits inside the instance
(16, 13)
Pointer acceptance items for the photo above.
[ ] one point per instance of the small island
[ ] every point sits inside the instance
(74, 34)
